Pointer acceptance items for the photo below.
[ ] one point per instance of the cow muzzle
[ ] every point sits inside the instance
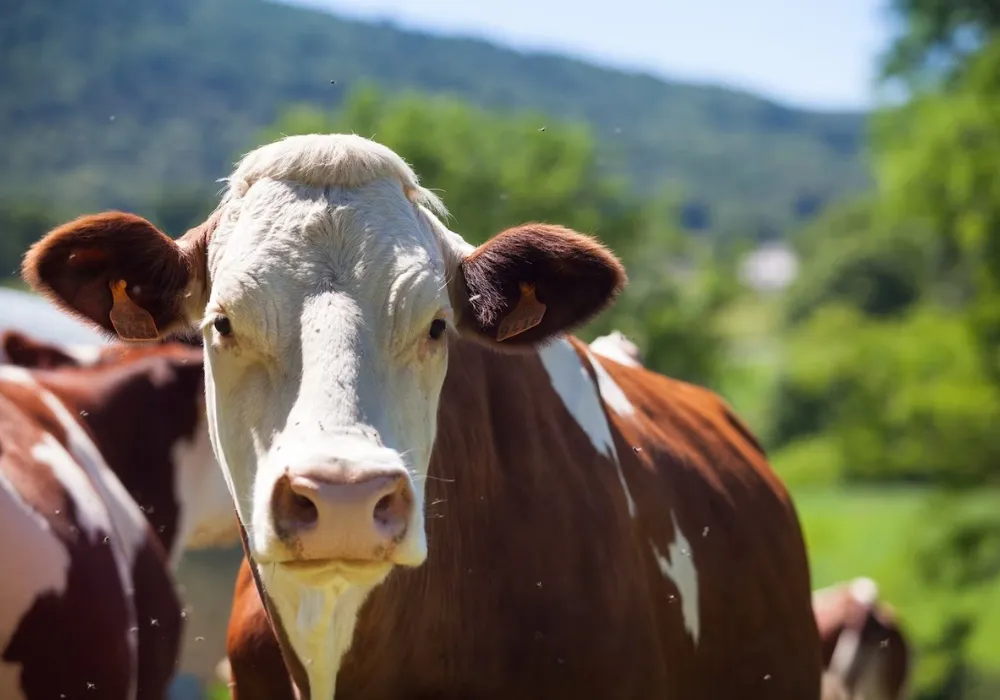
(350, 510)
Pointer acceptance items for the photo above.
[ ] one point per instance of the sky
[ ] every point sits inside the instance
(807, 53)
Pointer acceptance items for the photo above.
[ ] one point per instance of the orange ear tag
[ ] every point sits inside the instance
(526, 315)
(131, 321)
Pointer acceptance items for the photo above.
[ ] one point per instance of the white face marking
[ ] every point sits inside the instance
(42, 567)
(330, 276)
(128, 528)
(679, 567)
(617, 347)
(582, 399)
(206, 518)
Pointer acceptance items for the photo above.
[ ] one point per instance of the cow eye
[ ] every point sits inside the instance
(222, 326)
(437, 328)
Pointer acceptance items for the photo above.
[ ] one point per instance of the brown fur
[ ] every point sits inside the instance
(539, 583)
(574, 276)
(75, 264)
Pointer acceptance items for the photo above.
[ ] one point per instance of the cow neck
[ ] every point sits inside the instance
(292, 661)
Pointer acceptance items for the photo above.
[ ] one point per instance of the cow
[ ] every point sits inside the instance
(166, 467)
(864, 646)
(88, 603)
(441, 491)
(616, 346)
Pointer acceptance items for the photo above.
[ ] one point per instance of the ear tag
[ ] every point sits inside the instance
(131, 321)
(526, 315)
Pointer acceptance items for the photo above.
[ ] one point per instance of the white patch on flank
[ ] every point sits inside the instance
(571, 381)
(27, 545)
(582, 399)
(610, 391)
(617, 347)
(91, 515)
(206, 516)
(128, 527)
(679, 567)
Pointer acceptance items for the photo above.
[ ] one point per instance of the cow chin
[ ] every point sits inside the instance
(410, 553)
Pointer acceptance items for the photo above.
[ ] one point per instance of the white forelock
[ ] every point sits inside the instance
(328, 160)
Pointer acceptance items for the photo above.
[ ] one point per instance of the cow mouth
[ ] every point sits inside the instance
(326, 569)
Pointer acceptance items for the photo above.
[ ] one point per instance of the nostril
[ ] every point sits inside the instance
(292, 508)
(303, 509)
(392, 511)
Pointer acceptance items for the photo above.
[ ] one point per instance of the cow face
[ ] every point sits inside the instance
(327, 290)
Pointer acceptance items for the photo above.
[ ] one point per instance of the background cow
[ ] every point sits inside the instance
(863, 644)
(589, 528)
(88, 603)
(166, 463)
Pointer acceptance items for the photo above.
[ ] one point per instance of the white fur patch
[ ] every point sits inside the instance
(206, 516)
(91, 515)
(582, 399)
(42, 565)
(610, 391)
(679, 567)
(617, 347)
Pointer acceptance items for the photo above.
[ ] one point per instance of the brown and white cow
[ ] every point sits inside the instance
(442, 494)
(864, 647)
(87, 604)
(165, 465)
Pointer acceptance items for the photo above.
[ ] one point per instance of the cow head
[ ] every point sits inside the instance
(327, 290)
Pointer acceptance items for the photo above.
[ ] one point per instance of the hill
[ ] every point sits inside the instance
(111, 103)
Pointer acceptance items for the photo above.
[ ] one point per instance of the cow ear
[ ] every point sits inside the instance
(533, 282)
(18, 349)
(121, 273)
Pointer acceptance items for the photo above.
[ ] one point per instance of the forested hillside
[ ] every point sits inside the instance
(118, 102)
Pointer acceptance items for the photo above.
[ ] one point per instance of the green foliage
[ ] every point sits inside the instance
(903, 400)
(113, 103)
(850, 256)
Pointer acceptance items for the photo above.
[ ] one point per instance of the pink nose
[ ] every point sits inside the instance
(329, 514)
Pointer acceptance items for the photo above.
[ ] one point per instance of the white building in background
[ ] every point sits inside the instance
(769, 268)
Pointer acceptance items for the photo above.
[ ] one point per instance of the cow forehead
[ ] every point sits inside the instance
(297, 229)
(288, 242)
